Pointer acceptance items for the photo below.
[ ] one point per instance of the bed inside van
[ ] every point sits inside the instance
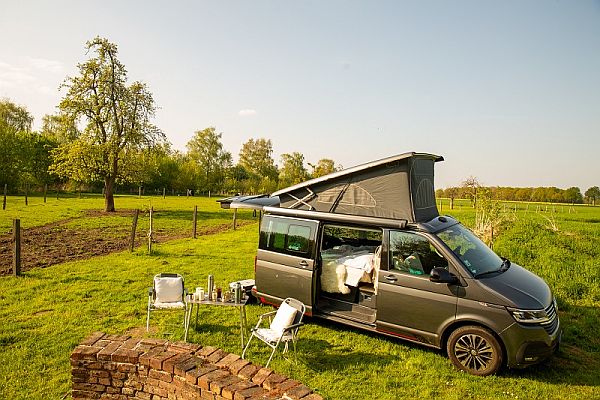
(349, 265)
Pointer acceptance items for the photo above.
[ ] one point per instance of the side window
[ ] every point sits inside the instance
(285, 236)
(276, 235)
(298, 238)
(413, 254)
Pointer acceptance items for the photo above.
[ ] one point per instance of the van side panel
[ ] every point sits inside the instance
(285, 260)
(280, 276)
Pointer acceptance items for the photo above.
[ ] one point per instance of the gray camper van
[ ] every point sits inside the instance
(366, 247)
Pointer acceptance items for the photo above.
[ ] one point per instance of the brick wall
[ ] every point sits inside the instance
(119, 367)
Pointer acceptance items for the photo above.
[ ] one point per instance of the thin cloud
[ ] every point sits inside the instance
(32, 76)
(46, 65)
(248, 112)
(11, 75)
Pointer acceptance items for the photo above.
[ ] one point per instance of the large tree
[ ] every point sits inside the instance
(256, 157)
(292, 169)
(206, 149)
(115, 117)
(14, 121)
(323, 167)
(24, 155)
(592, 194)
(573, 195)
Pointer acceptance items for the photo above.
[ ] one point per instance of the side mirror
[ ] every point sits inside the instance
(442, 275)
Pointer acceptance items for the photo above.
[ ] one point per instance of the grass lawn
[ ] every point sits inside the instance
(46, 312)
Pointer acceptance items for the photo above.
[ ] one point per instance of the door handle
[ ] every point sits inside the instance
(303, 264)
(391, 278)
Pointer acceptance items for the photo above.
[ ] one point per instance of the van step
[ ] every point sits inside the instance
(347, 310)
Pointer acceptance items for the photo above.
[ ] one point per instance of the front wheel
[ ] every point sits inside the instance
(475, 350)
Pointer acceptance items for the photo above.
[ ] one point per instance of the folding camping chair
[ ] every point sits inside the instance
(168, 293)
(283, 328)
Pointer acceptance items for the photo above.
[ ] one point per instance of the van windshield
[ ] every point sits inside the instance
(474, 254)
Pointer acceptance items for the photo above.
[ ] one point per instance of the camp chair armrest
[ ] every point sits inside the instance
(292, 327)
(269, 314)
(150, 291)
(264, 316)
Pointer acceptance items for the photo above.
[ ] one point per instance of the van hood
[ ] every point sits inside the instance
(518, 288)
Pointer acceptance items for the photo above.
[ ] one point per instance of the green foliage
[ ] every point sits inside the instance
(592, 194)
(256, 157)
(24, 158)
(14, 118)
(116, 120)
(323, 167)
(292, 170)
(206, 150)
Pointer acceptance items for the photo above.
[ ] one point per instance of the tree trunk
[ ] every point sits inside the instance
(109, 200)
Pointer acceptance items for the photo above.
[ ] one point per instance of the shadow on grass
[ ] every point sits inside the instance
(320, 356)
(214, 328)
(576, 363)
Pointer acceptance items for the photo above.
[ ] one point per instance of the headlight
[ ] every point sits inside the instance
(528, 316)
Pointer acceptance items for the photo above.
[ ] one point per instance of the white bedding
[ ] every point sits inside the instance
(346, 266)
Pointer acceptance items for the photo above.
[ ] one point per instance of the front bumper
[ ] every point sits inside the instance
(527, 345)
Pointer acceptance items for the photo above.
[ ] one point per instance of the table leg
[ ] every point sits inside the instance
(243, 325)
(186, 321)
(197, 308)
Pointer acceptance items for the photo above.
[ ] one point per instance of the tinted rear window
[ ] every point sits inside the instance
(286, 236)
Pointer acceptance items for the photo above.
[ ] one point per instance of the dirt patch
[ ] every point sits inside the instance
(57, 243)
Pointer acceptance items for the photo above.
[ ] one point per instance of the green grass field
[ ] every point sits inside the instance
(46, 312)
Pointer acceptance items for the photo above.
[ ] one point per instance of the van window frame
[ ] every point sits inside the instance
(289, 222)
(454, 265)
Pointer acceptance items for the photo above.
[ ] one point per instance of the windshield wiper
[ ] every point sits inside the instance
(503, 267)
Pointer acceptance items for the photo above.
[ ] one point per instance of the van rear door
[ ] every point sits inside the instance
(286, 259)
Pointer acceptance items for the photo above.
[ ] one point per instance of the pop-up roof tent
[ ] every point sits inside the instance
(398, 187)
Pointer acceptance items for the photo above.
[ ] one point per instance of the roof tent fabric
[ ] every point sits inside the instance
(398, 187)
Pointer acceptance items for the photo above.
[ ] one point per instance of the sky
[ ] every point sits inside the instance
(506, 91)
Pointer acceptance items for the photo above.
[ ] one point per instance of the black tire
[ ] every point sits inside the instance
(475, 350)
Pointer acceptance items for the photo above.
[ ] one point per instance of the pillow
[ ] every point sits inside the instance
(284, 317)
(168, 289)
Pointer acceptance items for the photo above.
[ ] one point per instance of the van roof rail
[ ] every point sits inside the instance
(332, 217)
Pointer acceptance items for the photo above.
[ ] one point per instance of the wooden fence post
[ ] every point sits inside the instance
(139, 191)
(234, 218)
(164, 193)
(17, 247)
(26, 193)
(45, 191)
(195, 220)
(150, 232)
(4, 202)
(134, 228)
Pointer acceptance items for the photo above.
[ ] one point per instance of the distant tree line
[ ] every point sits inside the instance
(60, 155)
(572, 195)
